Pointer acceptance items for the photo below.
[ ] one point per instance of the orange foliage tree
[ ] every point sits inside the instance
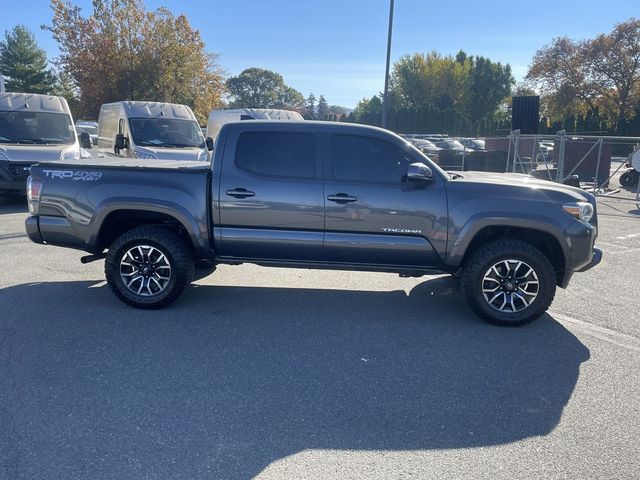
(125, 52)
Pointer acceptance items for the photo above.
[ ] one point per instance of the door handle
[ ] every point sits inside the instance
(342, 198)
(240, 193)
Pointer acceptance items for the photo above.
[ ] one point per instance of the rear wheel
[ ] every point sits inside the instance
(508, 282)
(148, 267)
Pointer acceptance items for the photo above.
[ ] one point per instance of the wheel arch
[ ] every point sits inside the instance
(542, 237)
(114, 220)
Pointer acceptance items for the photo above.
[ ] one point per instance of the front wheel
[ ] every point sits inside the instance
(508, 282)
(148, 267)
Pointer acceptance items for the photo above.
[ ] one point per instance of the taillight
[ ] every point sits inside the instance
(34, 188)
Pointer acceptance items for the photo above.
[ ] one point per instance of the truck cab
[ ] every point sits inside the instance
(151, 131)
(33, 128)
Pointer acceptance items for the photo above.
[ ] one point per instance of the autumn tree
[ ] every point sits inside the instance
(602, 74)
(260, 88)
(122, 51)
(24, 63)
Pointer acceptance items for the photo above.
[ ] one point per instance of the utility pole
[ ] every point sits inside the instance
(1, 83)
(385, 98)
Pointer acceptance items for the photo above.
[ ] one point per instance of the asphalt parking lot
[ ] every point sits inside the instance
(301, 374)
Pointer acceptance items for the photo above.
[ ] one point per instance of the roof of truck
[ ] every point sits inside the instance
(308, 124)
(33, 102)
(140, 109)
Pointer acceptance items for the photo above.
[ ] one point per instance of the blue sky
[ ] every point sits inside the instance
(337, 47)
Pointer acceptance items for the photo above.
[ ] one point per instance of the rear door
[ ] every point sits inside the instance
(271, 202)
(373, 215)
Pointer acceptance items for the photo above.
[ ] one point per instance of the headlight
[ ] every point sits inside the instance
(72, 155)
(580, 210)
(144, 155)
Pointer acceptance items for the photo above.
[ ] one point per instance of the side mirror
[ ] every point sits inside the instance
(122, 142)
(419, 173)
(209, 143)
(85, 140)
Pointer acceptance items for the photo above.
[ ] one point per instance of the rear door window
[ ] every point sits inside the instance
(277, 154)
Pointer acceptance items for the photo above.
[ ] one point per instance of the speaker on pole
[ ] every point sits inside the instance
(525, 114)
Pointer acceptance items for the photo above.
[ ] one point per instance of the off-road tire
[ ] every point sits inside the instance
(482, 259)
(169, 244)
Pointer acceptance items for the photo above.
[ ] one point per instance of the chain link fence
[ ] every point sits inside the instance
(601, 165)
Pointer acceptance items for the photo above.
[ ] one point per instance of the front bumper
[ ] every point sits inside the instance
(597, 258)
(581, 254)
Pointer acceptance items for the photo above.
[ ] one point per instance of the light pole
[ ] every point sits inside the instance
(385, 103)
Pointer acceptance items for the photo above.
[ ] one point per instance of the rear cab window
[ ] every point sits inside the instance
(357, 158)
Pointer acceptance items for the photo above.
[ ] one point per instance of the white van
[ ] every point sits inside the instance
(33, 128)
(150, 130)
(217, 118)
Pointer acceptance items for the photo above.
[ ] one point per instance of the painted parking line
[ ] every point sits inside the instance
(626, 237)
(606, 334)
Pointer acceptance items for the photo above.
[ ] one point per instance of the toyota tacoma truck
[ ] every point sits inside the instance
(317, 195)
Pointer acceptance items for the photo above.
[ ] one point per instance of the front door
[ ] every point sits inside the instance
(373, 215)
(273, 179)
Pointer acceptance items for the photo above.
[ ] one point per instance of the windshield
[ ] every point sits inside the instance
(41, 128)
(166, 132)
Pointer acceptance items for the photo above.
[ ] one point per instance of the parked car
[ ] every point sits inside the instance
(150, 131)
(33, 128)
(473, 143)
(450, 144)
(318, 195)
(426, 147)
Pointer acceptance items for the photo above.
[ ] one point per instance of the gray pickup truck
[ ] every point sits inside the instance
(317, 195)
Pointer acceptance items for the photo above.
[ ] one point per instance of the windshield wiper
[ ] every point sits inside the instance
(164, 145)
(145, 143)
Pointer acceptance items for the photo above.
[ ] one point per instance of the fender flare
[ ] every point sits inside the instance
(478, 222)
(197, 230)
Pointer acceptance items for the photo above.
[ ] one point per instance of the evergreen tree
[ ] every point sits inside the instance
(310, 109)
(24, 63)
(323, 108)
